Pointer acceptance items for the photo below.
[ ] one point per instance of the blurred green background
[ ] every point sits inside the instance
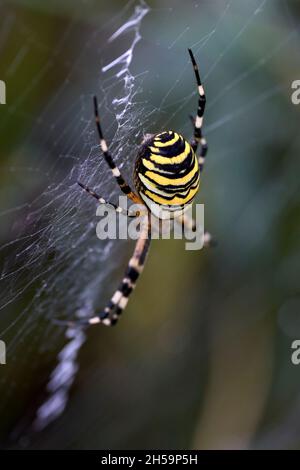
(202, 357)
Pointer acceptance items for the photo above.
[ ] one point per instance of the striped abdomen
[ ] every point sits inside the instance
(166, 173)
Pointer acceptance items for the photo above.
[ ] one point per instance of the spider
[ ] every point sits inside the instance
(166, 176)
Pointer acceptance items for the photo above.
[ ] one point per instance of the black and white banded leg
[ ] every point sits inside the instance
(190, 224)
(125, 188)
(198, 122)
(110, 315)
(101, 200)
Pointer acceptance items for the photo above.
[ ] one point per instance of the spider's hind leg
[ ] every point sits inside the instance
(198, 122)
(125, 188)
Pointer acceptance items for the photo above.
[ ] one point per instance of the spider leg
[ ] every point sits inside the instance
(101, 200)
(111, 313)
(190, 224)
(198, 122)
(119, 300)
(125, 188)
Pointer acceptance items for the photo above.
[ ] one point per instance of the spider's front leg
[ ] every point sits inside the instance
(190, 224)
(110, 315)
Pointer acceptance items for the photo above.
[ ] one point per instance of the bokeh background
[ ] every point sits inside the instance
(202, 356)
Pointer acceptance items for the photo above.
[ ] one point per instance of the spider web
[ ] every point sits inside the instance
(53, 266)
(41, 257)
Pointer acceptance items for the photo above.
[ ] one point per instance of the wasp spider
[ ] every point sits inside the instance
(166, 176)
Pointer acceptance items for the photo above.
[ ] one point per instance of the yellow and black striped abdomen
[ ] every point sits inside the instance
(166, 173)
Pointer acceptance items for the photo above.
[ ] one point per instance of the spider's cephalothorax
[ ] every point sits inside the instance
(166, 177)
(166, 174)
